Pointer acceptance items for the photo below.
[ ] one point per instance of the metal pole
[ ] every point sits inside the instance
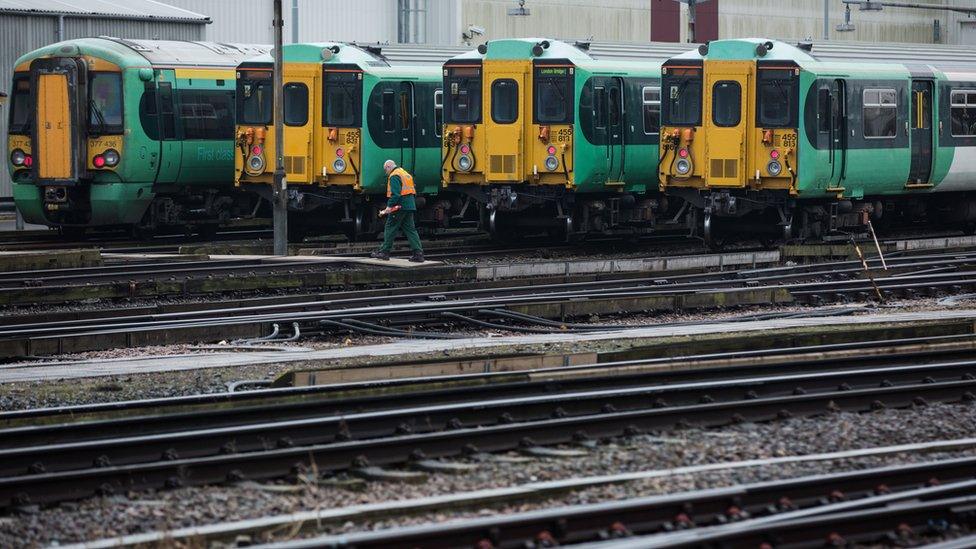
(280, 191)
(691, 21)
(826, 34)
(294, 21)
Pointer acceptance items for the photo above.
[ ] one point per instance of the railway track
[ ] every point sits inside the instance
(393, 429)
(511, 305)
(851, 507)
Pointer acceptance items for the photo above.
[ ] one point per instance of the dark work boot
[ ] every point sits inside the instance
(417, 257)
(380, 254)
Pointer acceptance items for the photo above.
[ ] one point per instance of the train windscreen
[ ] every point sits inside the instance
(105, 103)
(463, 97)
(255, 97)
(553, 95)
(778, 98)
(343, 96)
(683, 104)
(20, 111)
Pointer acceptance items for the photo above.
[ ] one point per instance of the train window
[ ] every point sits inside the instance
(343, 98)
(389, 112)
(504, 101)
(296, 104)
(207, 114)
(599, 107)
(615, 106)
(823, 110)
(167, 116)
(20, 111)
(463, 98)
(105, 103)
(255, 98)
(963, 113)
(553, 95)
(778, 98)
(405, 109)
(438, 112)
(651, 100)
(149, 113)
(684, 90)
(726, 103)
(880, 113)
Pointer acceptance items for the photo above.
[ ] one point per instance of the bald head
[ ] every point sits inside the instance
(389, 166)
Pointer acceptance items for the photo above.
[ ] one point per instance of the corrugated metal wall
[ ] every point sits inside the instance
(21, 34)
(800, 19)
(249, 21)
(605, 20)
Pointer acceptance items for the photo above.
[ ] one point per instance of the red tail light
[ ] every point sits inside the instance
(340, 152)
(683, 153)
(28, 161)
(256, 150)
(465, 149)
(98, 161)
(551, 149)
(774, 154)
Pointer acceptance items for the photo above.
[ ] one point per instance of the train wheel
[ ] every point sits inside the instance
(709, 234)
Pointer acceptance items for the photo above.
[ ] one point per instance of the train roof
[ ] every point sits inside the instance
(883, 59)
(131, 53)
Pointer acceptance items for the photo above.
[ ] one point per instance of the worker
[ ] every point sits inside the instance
(400, 211)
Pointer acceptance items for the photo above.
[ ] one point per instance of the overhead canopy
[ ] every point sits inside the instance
(146, 10)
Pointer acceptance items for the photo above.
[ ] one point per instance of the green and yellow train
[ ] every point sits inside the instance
(107, 132)
(760, 137)
(543, 135)
(347, 109)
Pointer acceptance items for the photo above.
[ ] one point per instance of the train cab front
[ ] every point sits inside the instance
(65, 140)
(509, 127)
(323, 120)
(729, 135)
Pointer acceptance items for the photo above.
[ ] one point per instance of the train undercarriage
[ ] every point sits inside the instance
(719, 217)
(511, 211)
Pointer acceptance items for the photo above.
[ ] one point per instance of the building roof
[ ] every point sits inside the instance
(148, 10)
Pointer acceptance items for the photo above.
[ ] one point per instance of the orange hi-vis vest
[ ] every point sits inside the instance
(406, 182)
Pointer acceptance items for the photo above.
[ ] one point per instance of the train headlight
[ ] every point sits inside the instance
(111, 157)
(682, 166)
(18, 157)
(552, 163)
(255, 163)
(465, 163)
(774, 168)
(339, 165)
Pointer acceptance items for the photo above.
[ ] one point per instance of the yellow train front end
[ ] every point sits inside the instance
(508, 132)
(729, 138)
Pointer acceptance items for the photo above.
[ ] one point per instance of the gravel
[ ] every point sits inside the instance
(153, 510)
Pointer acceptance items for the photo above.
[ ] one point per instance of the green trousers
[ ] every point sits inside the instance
(401, 221)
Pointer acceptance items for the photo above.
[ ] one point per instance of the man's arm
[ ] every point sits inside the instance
(396, 186)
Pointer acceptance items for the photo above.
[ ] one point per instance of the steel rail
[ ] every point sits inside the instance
(510, 294)
(619, 391)
(340, 454)
(686, 512)
(789, 358)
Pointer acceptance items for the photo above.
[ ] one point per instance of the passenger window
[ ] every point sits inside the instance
(599, 107)
(296, 104)
(880, 113)
(615, 107)
(167, 116)
(651, 99)
(389, 112)
(207, 114)
(405, 110)
(963, 113)
(148, 113)
(823, 110)
(438, 112)
(504, 101)
(726, 103)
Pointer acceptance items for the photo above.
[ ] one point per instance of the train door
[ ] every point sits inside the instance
(298, 130)
(608, 124)
(838, 134)
(921, 132)
(60, 103)
(726, 120)
(406, 126)
(504, 130)
(170, 148)
(615, 129)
